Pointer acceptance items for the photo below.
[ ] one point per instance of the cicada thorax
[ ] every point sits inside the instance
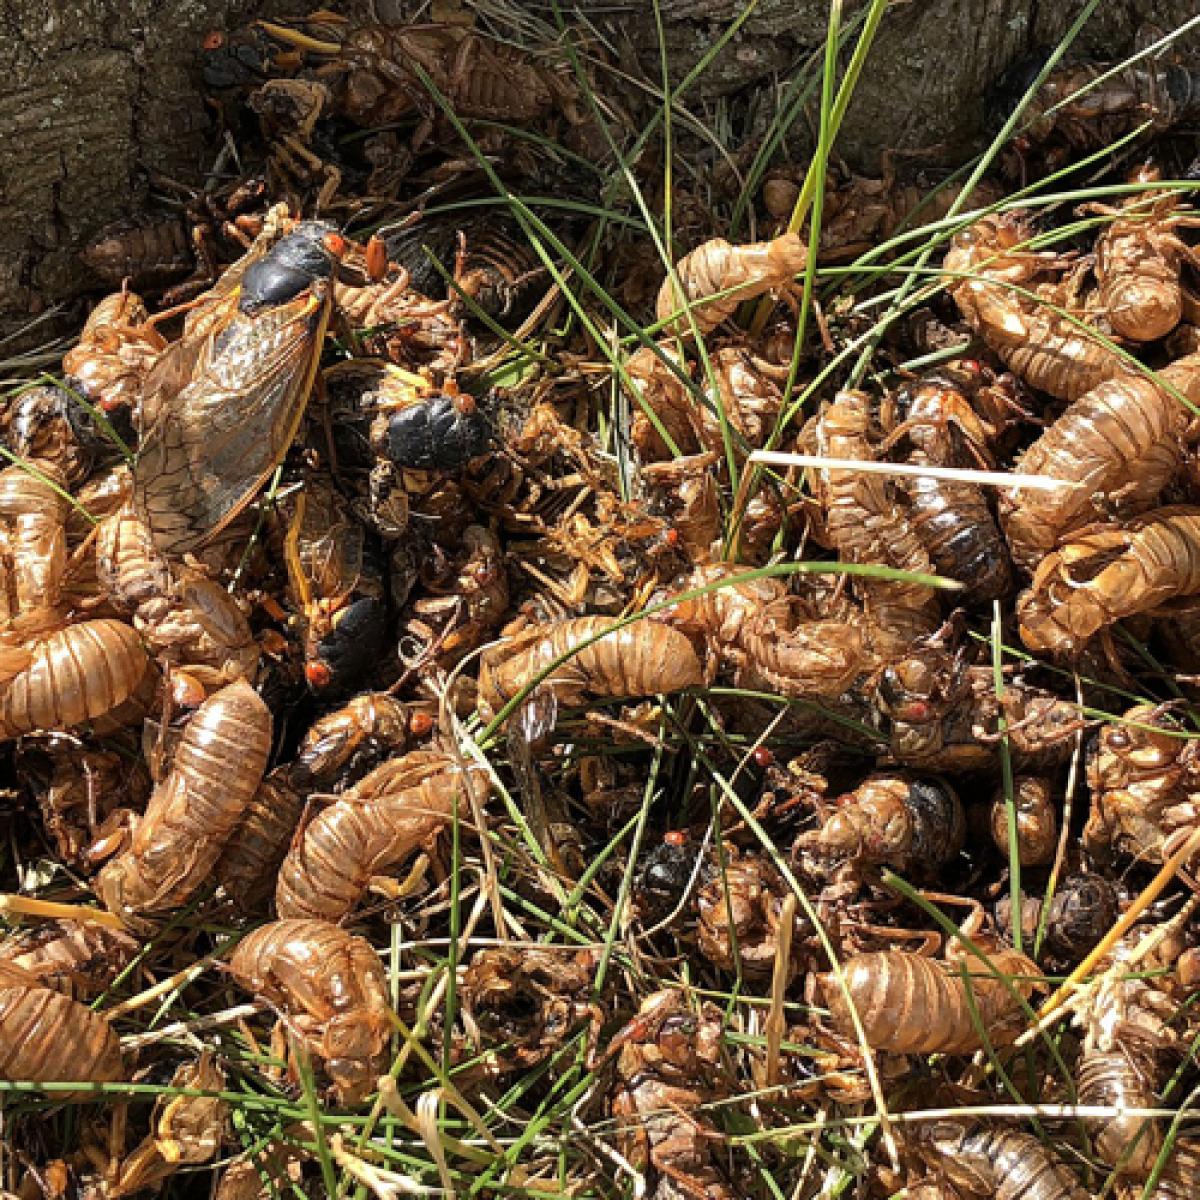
(291, 267)
(440, 433)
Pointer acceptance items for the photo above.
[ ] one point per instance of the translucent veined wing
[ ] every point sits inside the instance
(325, 546)
(207, 450)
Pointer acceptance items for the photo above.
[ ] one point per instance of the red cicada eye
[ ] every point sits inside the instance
(915, 710)
(973, 365)
(464, 402)
(763, 756)
(676, 837)
(335, 244)
(318, 674)
(672, 538)
(213, 40)
(420, 724)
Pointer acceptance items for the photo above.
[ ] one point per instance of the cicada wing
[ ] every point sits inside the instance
(334, 562)
(325, 546)
(209, 450)
(187, 358)
(180, 363)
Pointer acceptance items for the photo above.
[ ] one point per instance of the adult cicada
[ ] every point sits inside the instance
(224, 402)
(336, 577)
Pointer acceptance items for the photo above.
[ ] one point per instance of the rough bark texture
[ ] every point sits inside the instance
(96, 90)
(925, 85)
(93, 92)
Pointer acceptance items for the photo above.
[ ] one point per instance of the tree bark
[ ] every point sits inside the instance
(932, 66)
(93, 93)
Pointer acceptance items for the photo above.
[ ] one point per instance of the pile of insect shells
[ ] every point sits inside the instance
(411, 693)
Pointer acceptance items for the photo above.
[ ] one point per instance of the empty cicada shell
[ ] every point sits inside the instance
(909, 1004)
(116, 351)
(989, 262)
(1142, 775)
(185, 1130)
(331, 990)
(1000, 1163)
(904, 821)
(667, 1066)
(46, 1036)
(79, 959)
(216, 770)
(711, 282)
(741, 926)
(387, 816)
(1035, 817)
(601, 660)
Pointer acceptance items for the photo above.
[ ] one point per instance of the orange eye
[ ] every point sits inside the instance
(214, 40)
(672, 537)
(676, 837)
(420, 724)
(317, 674)
(335, 244)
